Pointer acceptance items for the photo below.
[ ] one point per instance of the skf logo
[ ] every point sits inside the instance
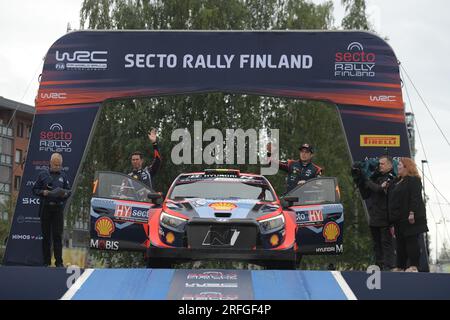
(222, 206)
(383, 98)
(30, 201)
(81, 60)
(105, 244)
(331, 232)
(104, 227)
(54, 95)
(315, 215)
(379, 140)
(227, 238)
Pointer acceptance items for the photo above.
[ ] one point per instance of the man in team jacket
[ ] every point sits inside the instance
(146, 174)
(301, 170)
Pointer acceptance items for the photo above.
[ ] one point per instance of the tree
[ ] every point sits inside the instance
(356, 17)
(126, 121)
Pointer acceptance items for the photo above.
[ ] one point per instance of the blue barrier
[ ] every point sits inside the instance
(200, 284)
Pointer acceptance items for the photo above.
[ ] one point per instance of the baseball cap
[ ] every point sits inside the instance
(307, 146)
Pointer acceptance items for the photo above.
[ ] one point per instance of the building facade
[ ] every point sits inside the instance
(16, 120)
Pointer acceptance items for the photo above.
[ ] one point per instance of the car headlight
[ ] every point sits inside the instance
(271, 224)
(171, 221)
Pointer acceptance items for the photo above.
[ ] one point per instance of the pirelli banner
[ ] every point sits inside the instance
(357, 71)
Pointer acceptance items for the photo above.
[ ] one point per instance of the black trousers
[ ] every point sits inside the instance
(383, 247)
(408, 249)
(52, 226)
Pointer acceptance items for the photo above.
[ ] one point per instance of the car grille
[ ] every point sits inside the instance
(208, 233)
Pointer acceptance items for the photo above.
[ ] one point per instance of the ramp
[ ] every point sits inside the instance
(202, 284)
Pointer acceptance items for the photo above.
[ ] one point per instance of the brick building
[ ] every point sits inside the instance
(16, 120)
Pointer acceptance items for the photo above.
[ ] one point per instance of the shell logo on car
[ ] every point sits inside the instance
(331, 232)
(222, 206)
(104, 227)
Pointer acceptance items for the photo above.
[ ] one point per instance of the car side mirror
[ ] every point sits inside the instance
(288, 201)
(156, 197)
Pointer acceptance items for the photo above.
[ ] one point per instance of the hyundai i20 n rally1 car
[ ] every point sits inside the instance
(218, 214)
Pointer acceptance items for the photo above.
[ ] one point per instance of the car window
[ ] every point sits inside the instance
(222, 190)
(316, 191)
(120, 186)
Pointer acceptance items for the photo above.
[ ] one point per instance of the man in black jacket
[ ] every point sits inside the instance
(146, 174)
(53, 188)
(301, 170)
(373, 191)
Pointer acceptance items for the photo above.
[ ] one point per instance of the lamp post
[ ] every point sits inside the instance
(423, 182)
(437, 223)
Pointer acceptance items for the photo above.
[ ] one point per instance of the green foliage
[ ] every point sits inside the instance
(123, 125)
(356, 18)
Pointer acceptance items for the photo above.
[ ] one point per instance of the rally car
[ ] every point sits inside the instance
(217, 214)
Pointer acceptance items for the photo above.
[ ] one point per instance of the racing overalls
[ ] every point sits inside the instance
(298, 171)
(147, 174)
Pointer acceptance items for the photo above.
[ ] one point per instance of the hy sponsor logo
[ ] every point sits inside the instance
(81, 60)
(355, 62)
(216, 238)
(55, 139)
(375, 140)
(105, 244)
(124, 211)
(315, 215)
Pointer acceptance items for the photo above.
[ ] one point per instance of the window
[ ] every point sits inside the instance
(5, 131)
(5, 159)
(5, 174)
(18, 156)
(20, 129)
(28, 131)
(316, 191)
(6, 146)
(17, 180)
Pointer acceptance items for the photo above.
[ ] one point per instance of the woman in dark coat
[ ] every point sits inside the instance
(407, 214)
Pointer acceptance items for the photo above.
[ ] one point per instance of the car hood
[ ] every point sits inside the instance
(222, 208)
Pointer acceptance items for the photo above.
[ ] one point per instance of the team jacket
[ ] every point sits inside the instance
(51, 181)
(147, 174)
(298, 171)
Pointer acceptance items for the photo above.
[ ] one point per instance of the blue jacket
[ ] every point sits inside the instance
(51, 181)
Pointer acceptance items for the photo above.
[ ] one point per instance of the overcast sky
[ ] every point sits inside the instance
(417, 31)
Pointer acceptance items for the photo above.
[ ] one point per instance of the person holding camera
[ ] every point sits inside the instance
(373, 189)
(53, 188)
(407, 213)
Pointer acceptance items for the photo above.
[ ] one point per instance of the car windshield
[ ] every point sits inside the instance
(226, 188)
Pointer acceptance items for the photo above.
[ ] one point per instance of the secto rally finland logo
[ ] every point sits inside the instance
(55, 139)
(355, 62)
